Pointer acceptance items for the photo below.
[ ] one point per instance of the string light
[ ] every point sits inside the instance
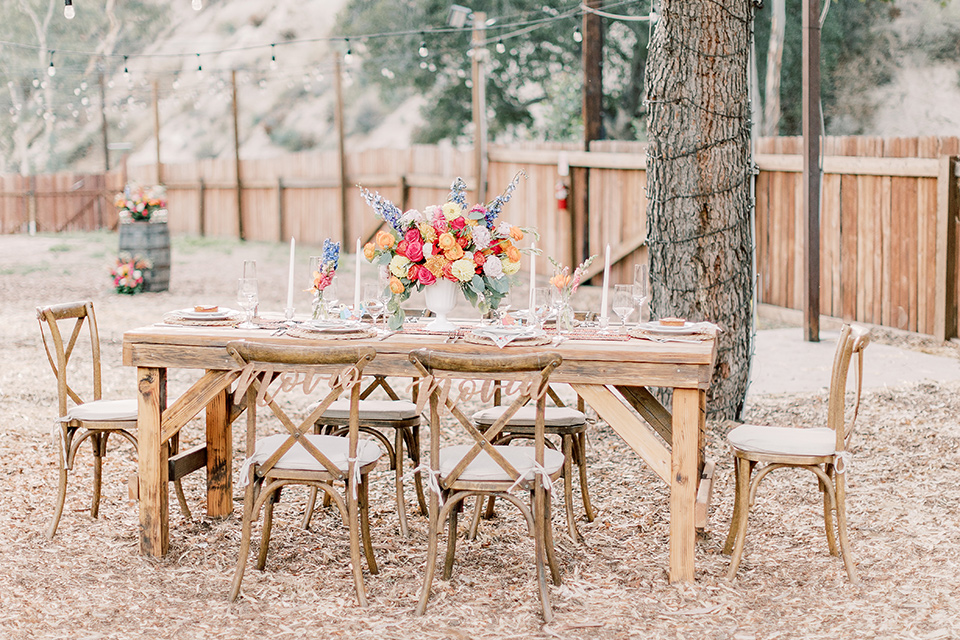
(197, 5)
(501, 48)
(423, 51)
(199, 66)
(68, 11)
(273, 57)
(577, 36)
(51, 70)
(348, 56)
(126, 72)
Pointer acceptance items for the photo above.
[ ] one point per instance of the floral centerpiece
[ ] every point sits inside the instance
(127, 274)
(323, 275)
(566, 284)
(136, 204)
(467, 245)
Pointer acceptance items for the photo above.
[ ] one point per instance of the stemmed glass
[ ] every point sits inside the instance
(542, 304)
(372, 301)
(640, 290)
(250, 271)
(330, 299)
(247, 298)
(623, 303)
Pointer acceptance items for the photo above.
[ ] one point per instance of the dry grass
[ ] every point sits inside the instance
(89, 582)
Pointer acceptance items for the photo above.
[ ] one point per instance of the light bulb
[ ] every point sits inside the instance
(423, 49)
(501, 48)
(348, 57)
(68, 11)
(197, 5)
(51, 70)
(273, 58)
(577, 36)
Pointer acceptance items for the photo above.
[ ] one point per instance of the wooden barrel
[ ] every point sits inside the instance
(150, 241)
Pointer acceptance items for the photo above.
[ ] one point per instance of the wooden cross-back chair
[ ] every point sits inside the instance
(376, 418)
(299, 457)
(78, 419)
(567, 423)
(821, 450)
(483, 468)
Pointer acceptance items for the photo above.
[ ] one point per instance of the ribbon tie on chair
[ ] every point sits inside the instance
(538, 470)
(842, 460)
(433, 483)
(355, 478)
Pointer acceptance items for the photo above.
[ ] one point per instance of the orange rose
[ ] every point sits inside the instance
(395, 285)
(560, 280)
(385, 240)
(516, 233)
(447, 241)
(453, 253)
(368, 251)
(513, 254)
(434, 264)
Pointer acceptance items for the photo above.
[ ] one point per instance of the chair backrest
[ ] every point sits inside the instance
(264, 363)
(58, 353)
(850, 347)
(438, 371)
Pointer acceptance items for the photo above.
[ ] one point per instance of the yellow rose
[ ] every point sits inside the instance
(395, 285)
(447, 241)
(463, 270)
(471, 222)
(385, 240)
(369, 251)
(516, 233)
(451, 210)
(509, 266)
(398, 265)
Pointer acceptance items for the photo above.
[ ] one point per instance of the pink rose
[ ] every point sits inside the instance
(413, 236)
(458, 223)
(414, 251)
(425, 277)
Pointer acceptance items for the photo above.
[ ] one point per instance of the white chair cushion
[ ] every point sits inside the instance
(104, 410)
(819, 441)
(297, 457)
(526, 416)
(483, 467)
(371, 410)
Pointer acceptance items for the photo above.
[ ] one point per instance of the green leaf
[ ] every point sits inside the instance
(384, 258)
(395, 321)
(471, 296)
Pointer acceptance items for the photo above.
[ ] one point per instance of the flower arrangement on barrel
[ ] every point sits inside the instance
(136, 204)
(465, 245)
(323, 274)
(127, 274)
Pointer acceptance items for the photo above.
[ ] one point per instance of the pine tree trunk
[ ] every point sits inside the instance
(699, 173)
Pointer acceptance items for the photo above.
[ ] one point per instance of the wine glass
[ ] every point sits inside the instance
(247, 298)
(640, 290)
(542, 304)
(623, 303)
(372, 301)
(250, 271)
(330, 298)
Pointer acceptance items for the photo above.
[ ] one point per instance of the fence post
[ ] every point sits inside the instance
(281, 212)
(202, 197)
(945, 312)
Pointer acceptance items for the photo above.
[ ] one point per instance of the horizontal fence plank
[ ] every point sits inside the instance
(907, 167)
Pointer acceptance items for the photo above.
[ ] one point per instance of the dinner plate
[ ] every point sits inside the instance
(219, 314)
(503, 332)
(324, 326)
(688, 328)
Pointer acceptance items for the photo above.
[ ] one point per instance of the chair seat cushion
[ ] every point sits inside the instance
(820, 441)
(483, 467)
(333, 447)
(526, 416)
(105, 410)
(372, 410)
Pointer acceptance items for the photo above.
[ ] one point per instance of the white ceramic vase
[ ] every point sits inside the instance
(440, 298)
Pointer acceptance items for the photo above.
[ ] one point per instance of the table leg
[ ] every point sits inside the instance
(688, 416)
(219, 456)
(152, 462)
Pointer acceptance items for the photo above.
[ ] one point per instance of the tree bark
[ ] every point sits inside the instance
(699, 172)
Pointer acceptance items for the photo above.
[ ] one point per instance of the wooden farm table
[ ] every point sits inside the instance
(612, 376)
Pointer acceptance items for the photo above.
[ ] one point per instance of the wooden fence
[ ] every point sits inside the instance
(888, 213)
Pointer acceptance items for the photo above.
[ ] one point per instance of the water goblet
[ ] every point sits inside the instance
(542, 304)
(247, 298)
(372, 301)
(623, 303)
(640, 290)
(250, 271)
(330, 298)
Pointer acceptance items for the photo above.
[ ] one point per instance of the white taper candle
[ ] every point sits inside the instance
(604, 314)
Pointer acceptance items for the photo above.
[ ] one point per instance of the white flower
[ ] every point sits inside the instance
(504, 229)
(411, 218)
(493, 268)
(427, 249)
(481, 237)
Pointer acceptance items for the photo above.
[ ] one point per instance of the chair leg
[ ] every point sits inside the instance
(398, 481)
(737, 506)
(744, 469)
(432, 543)
(248, 501)
(548, 542)
(539, 535)
(581, 451)
(364, 504)
(842, 527)
(63, 442)
(828, 506)
(267, 529)
(308, 511)
(567, 445)
(354, 524)
(413, 450)
(451, 541)
(96, 441)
